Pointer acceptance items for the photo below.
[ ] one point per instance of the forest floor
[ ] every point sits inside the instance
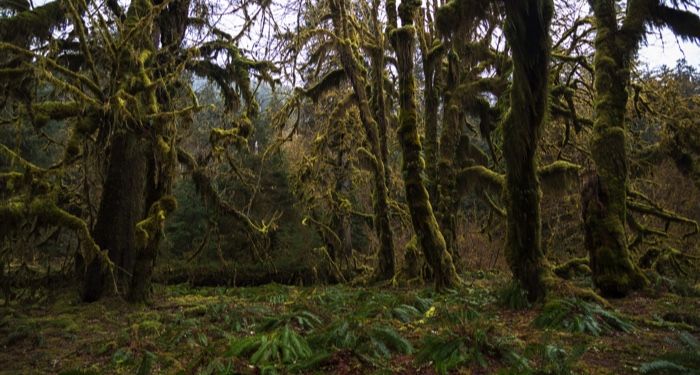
(477, 329)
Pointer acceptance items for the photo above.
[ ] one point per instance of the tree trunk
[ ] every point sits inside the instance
(449, 138)
(356, 74)
(527, 32)
(378, 94)
(122, 206)
(424, 223)
(604, 195)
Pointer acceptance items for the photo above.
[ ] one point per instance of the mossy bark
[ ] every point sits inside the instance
(379, 105)
(357, 76)
(341, 223)
(432, 72)
(605, 192)
(424, 222)
(141, 155)
(122, 206)
(448, 199)
(527, 32)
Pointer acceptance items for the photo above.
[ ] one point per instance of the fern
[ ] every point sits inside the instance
(304, 320)
(685, 361)
(385, 341)
(451, 350)
(338, 336)
(664, 367)
(146, 364)
(552, 359)
(405, 313)
(283, 346)
(512, 296)
(575, 315)
(372, 343)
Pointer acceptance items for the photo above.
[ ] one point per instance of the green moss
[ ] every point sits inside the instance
(38, 22)
(559, 175)
(151, 227)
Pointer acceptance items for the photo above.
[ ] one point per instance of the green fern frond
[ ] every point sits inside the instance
(663, 367)
(405, 313)
(304, 320)
(387, 337)
(575, 315)
(282, 346)
(512, 296)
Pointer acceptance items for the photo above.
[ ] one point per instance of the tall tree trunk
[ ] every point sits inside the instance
(432, 58)
(527, 31)
(424, 223)
(341, 222)
(122, 206)
(356, 75)
(378, 93)
(449, 138)
(171, 25)
(605, 194)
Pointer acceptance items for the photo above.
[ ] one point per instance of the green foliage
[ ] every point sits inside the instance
(370, 342)
(303, 320)
(512, 296)
(146, 365)
(550, 359)
(576, 315)
(385, 340)
(685, 361)
(405, 313)
(282, 346)
(450, 349)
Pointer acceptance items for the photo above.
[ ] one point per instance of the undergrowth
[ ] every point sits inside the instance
(576, 315)
(336, 329)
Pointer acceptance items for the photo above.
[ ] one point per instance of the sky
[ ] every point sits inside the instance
(664, 49)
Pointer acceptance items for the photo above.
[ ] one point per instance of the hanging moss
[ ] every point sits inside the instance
(456, 13)
(38, 22)
(328, 82)
(44, 112)
(559, 176)
(151, 226)
(683, 23)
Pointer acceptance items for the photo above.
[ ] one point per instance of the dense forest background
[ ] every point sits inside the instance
(464, 164)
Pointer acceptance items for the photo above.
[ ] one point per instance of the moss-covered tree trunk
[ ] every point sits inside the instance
(341, 222)
(424, 223)
(122, 206)
(449, 138)
(527, 31)
(141, 157)
(605, 193)
(357, 76)
(379, 105)
(432, 53)
(170, 27)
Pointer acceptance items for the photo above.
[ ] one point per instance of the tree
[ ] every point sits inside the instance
(604, 197)
(124, 85)
(425, 225)
(356, 74)
(527, 31)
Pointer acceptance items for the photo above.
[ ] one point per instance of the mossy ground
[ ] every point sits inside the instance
(190, 330)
